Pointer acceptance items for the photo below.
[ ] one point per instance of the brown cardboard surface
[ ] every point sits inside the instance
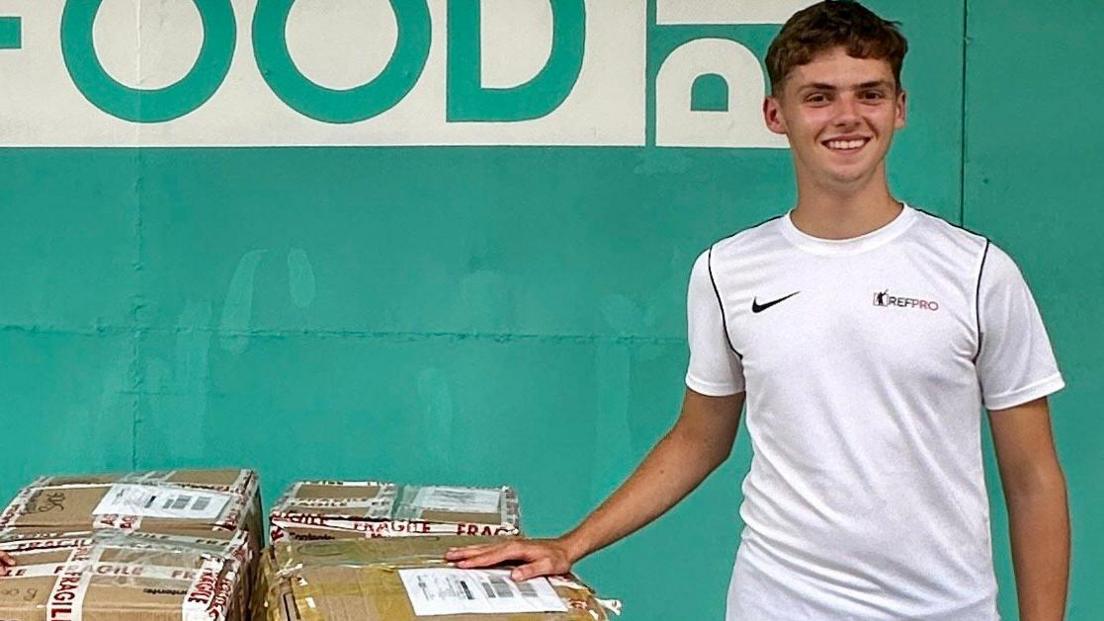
(330, 510)
(122, 577)
(357, 580)
(53, 506)
(66, 503)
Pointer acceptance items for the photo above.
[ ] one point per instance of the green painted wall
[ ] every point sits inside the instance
(1033, 156)
(492, 314)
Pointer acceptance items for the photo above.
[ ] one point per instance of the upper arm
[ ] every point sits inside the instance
(710, 422)
(1015, 360)
(1024, 445)
(714, 367)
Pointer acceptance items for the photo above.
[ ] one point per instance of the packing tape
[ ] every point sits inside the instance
(17, 506)
(66, 599)
(209, 589)
(307, 595)
(387, 528)
(153, 477)
(208, 596)
(120, 571)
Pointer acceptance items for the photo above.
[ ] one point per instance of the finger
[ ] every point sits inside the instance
(494, 557)
(543, 567)
(453, 554)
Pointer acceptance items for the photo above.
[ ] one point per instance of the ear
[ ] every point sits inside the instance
(902, 109)
(772, 115)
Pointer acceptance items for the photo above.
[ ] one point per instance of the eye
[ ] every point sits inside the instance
(816, 98)
(872, 95)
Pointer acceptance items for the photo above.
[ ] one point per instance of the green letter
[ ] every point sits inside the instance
(709, 93)
(142, 105)
(341, 106)
(469, 101)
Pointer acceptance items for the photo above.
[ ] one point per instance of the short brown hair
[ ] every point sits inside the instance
(830, 24)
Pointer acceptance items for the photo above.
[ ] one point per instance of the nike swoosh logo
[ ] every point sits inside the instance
(756, 307)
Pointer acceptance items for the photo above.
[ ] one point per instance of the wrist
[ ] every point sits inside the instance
(574, 546)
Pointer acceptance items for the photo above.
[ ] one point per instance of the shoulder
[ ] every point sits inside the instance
(991, 263)
(935, 229)
(746, 240)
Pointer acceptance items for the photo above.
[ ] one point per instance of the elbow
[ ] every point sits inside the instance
(701, 451)
(1027, 484)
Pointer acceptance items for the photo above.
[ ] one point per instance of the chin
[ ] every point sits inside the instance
(847, 176)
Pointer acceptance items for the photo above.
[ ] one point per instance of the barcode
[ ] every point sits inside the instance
(181, 503)
(526, 589)
(201, 503)
(467, 592)
(501, 587)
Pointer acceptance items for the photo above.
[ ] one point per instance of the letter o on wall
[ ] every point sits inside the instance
(345, 105)
(679, 123)
(148, 105)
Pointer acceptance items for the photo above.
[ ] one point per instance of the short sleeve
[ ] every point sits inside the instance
(714, 368)
(1015, 362)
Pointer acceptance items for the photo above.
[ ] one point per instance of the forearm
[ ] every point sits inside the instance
(673, 468)
(1040, 534)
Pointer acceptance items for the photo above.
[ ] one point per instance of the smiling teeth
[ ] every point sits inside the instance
(845, 144)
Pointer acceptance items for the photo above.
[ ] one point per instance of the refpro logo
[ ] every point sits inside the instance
(883, 298)
(381, 72)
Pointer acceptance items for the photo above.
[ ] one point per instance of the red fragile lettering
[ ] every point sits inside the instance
(414, 527)
(204, 589)
(9, 514)
(276, 533)
(304, 518)
(49, 544)
(482, 530)
(63, 596)
(221, 599)
(115, 569)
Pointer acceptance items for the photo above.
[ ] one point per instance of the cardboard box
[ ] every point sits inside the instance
(385, 579)
(202, 504)
(199, 503)
(115, 576)
(327, 510)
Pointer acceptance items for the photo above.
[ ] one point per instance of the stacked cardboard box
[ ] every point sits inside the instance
(402, 579)
(148, 545)
(115, 576)
(325, 510)
(200, 503)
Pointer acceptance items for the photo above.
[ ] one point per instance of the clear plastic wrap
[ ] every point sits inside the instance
(382, 579)
(321, 510)
(116, 576)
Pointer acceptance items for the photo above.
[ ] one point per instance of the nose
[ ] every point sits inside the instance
(847, 111)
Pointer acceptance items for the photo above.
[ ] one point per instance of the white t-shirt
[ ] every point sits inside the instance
(866, 362)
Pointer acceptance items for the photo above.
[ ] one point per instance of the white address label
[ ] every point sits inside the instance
(458, 499)
(161, 502)
(450, 591)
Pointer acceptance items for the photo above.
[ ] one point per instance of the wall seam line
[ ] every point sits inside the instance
(963, 117)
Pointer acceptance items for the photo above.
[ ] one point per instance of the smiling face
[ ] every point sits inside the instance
(839, 114)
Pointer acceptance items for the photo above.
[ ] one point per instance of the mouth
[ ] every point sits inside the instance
(847, 144)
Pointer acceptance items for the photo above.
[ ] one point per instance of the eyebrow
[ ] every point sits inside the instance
(823, 86)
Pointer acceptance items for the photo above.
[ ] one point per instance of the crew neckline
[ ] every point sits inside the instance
(850, 245)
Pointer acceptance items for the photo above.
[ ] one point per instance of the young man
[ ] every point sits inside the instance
(866, 336)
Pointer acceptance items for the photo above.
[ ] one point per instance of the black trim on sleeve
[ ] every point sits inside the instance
(977, 299)
(720, 304)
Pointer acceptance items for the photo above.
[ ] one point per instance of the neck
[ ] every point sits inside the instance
(835, 211)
